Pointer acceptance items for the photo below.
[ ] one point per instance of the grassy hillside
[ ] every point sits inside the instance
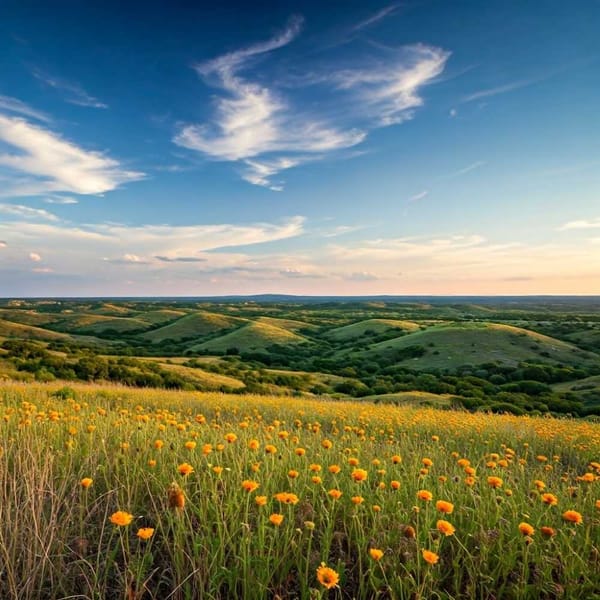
(155, 317)
(375, 326)
(450, 346)
(252, 337)
(290, 324)
(100, 323)
(28, 317)
(197, 324)
(208, 381)
(412, 398)
(8, 329)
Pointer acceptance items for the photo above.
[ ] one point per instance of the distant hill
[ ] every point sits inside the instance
(9, 329)
(376, 326)
(254, 336)
(457, 344)
(197, 324)
(94, 323)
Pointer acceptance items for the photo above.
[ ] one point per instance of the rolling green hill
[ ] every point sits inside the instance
(99, 323)
(8, 329)
(451, 346)
(376, 326)
(197, 324)
(252, 337)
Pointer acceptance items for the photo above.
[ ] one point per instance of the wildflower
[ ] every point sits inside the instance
(549, 499)
(327, 577)
(327, 444)
(445, 527)
(276, 519)
(572, 516)
(335, 469)
(335, 494)
(494, 482)
(176, 498)
(207, 449)
(376, 508)
(121, 518)
(230, 438)
(314, 468)
(316, 479)
(249, 486)
(409, 532)
(427, 462)
(292, 474)
(286, 498)
(430, 557)
(540, 485)
(359, 475)
(395, 485)
(444, 507)
(260, 500)
(145, 533)
(253, 444)
(470, 481)
(357, 499)
(598, 504)
(185, 469)
(588, 478)
(86, 482)
(299, 451)
(526, 529)
(435, 438)
(218, 470)
(424, 495)
(190, 445)
(396, 459)
(375, 553)
(547, 532)
(151, 463)
(270, 449)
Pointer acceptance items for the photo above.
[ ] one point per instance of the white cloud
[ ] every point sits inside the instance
(74, 93)
(16, 106)
(258, 125)
(53, 164)
(476, 165)
(582, 224)
(26, 212)
(375, 18)
(419, 196)
(61, 200)
(35, 257)
(501, 89)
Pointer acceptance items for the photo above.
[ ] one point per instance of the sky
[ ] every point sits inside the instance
(315, 148)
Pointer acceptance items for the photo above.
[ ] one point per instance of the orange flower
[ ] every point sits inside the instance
(249, 486)
(494, 482)
(260, 500)
(86, 482)
(549, 499)
(158, 444)
(424, 495)
(176, 498)
(145, 533)
(359, 475)
(598, 504)
(572, 516)
(395, 485)
(335, 494)
(396, 459)
(190, 445)
(335, 469)
(218, 470)
(547, 531)
(526, 529)
(253, 444)
(292, 474)
(430, 557)
(444, 507)
(270, 449)
(276, 519)
(300, 451)
(445, 527)
(327, 577)
(316, 479)
(185, 469)
(376, 508)
(327, 444)
(314, 468)
(375, 553)
(121, 518)
(230, 437)
(427, 462)
(357, 499)
(286, 498)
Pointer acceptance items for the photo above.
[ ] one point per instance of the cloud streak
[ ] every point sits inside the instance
(16, 106)
(74, 93)
(267, 132)
(581, 224)
(53, 164)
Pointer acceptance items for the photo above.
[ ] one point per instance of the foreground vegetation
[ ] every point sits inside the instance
(120, 493)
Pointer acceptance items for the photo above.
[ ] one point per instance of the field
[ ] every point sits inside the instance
(112, 492)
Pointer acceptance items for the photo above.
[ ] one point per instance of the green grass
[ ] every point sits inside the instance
(450, 346)
(376, 326)
(254, 336)
(9, 329)
(412, 398)
(197, 324)
(74, 323)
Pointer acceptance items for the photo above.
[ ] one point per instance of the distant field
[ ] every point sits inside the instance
(376, 326)
(449, 346)
(255, 336)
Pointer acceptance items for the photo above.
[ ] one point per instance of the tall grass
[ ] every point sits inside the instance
(57, 539)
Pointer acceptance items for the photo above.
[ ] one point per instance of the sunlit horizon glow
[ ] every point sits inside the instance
(348, 149)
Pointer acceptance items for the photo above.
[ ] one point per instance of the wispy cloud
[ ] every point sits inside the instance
(268, 132)
(74, 93)
(16, 106)
(582, 224)
(376, 17)
(419, 196)
(476, 165)
(501, 89)
(53, 164)
(61, 200)
(26, 212)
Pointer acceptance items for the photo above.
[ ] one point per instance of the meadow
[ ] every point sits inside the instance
(112, 492)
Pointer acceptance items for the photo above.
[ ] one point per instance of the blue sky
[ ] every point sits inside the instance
(341, 147)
